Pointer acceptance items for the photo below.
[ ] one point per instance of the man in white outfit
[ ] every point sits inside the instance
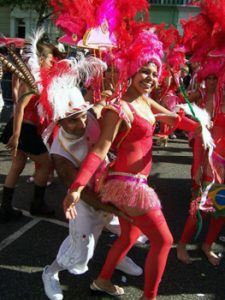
(78, 132)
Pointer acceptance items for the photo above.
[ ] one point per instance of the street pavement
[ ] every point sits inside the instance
(27, 245)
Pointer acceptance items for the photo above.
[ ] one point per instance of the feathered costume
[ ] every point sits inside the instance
(207, 47)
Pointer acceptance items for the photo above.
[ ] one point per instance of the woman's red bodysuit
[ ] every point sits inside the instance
(127, 185)
(127, 181)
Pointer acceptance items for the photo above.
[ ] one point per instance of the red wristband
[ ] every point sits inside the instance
(185, 123)
(87, 170)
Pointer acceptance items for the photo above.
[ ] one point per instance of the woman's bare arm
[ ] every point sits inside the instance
(18, 119)
(159, 109)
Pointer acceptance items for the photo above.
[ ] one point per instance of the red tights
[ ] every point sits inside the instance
(190, 227)
(198, 157)
(154, 226)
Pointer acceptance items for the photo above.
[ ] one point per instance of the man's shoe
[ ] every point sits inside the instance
(128, 266)
(7, 215)
(142, 239)
(51, 285)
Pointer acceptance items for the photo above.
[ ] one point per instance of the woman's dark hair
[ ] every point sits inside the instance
(44, 49)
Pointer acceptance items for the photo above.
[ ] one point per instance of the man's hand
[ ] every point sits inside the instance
(69, 204)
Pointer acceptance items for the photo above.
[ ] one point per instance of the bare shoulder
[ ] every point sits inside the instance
(151, 102)
(127, 110)
(148, 100)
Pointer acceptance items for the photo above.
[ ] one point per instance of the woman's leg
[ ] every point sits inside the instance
(17, 166)
(6, 211)
(188, 233)
(198, 157)
(40, 181)
(127, 238)
(154, 226)
(44, 164)
(215, 227)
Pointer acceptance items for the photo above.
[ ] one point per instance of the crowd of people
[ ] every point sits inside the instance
(91, 114)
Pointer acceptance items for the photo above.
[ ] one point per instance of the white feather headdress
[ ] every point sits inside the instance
(61, 96)
(203, 116)
(30, 53)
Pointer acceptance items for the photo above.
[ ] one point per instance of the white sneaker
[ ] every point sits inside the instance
(142, 239)
(51, 285)
(128, 266)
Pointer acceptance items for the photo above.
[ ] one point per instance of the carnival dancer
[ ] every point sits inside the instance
(206, 99)
(78, 131)
(128, 125)
(24, 140)
(215, 208)
(208, 48)
(208, 175)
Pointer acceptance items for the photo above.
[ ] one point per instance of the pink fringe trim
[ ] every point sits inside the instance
(130, 194)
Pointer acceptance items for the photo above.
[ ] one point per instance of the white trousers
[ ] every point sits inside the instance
(84, 231)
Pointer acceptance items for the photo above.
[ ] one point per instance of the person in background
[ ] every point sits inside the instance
(22, 138)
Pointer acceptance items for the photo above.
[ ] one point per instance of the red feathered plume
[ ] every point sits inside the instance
(215, 11)
(47, 76)
(170, 37)
(197, 32)
(75, 17)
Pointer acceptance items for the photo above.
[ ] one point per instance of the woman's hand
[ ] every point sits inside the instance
(69, 204)
(12, 145)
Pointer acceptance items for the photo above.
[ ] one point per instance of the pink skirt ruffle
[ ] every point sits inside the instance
(132, 194)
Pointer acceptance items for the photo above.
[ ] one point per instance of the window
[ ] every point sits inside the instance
(20, 28)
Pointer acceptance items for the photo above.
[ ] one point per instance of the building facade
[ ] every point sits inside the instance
(171, 12)
(20, 23)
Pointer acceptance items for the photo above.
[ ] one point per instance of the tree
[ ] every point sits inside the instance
(42, 7)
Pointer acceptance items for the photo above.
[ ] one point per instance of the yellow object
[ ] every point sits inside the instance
(218, 196)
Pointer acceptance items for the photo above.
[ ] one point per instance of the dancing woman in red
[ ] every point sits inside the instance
(127, 126)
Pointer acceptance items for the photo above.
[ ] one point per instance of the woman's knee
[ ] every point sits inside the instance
(17, 167)
(163, 238)
(127, 240)
(44, 163)
(168, 240)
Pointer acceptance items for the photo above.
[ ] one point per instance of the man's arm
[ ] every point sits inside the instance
(66, 172)
(64, 168)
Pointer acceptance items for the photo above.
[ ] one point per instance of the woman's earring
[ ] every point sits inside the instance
(129, 82)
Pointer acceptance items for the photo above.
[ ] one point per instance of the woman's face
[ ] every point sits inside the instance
(110, 78)
(146, 79)
(46, 62)
(211, 82)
